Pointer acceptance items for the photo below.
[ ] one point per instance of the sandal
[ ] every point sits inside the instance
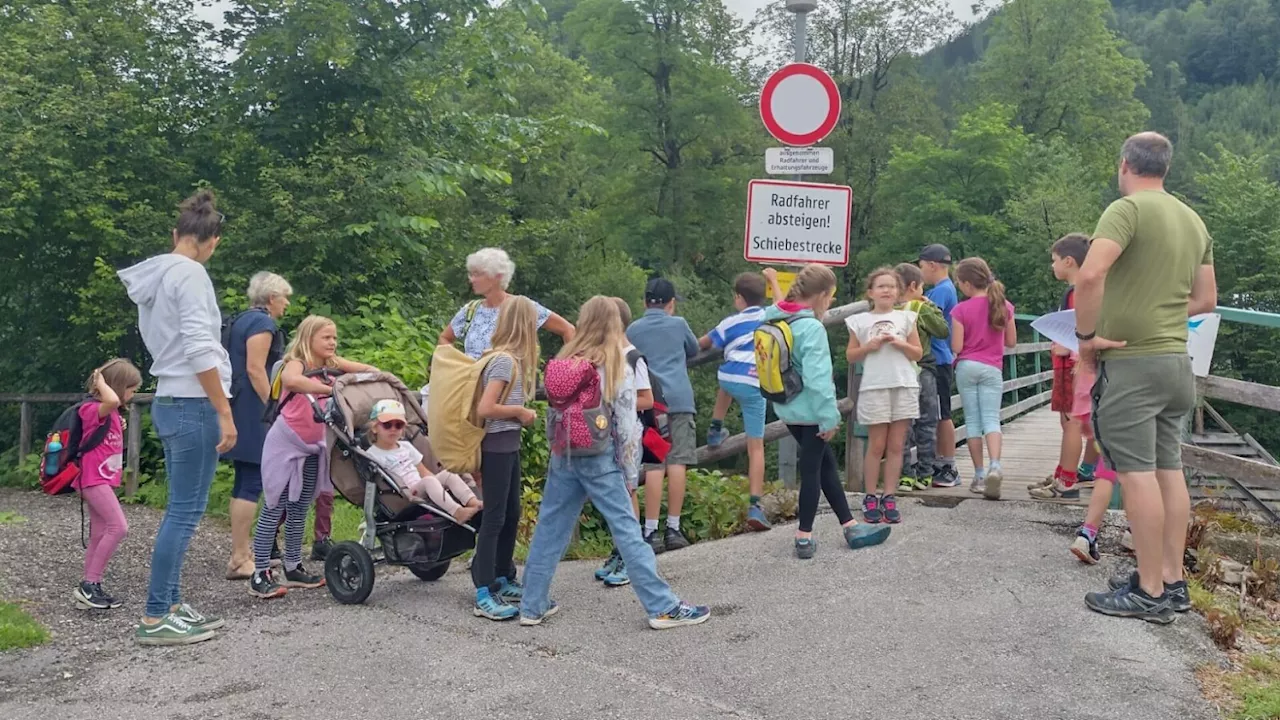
(240, 573)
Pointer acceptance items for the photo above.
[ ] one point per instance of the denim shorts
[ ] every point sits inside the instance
(752, 404)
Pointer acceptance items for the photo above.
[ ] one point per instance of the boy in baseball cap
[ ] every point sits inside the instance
(935, 264)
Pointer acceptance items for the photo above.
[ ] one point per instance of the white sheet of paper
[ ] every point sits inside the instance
(1060, 327)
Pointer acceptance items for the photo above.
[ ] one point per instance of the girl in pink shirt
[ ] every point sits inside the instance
(112, 387)
(981, 328)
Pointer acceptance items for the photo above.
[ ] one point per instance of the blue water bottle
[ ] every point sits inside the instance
(51, 453)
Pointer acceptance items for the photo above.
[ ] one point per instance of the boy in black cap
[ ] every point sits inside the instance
(935, 264)
(667, 343)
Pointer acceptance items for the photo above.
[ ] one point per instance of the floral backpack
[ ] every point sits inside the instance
(579, 421)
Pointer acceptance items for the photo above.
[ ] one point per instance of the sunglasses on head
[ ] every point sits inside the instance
(393, 424)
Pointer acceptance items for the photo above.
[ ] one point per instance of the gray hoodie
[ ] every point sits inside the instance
(180, 323)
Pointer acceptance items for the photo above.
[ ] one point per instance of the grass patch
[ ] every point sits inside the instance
(18, 629)
(9, 517)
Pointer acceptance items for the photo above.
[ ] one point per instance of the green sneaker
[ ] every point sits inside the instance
(195, 619)
(171, 630)
(906, 485)
(924, 483)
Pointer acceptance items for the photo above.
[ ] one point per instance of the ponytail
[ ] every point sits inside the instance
(997, 313)
(977, 273)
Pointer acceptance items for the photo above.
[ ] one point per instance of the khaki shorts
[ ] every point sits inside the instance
(877, 407)
(684, 442)
(1139, 405)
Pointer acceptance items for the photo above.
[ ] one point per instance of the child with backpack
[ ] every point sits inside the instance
(922, 434)
(112, 387)
(981, 328)
(404, 463)
(667, 343)
(793, 361)
(886, 342)
(508, 380)
(638, 430)
(591, 393)
(295, 458)
(738, 381)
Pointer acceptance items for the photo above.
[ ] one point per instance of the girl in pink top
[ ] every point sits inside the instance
(981, 328)
(112, 387)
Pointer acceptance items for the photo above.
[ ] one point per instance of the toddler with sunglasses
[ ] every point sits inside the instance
(404, 463)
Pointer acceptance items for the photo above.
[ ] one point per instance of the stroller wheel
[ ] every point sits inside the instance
(348, 572)
(430, 571)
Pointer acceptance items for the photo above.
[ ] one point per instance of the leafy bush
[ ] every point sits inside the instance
(19, 473)
(381, 334)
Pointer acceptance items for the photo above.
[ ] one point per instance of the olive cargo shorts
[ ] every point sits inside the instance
(1139, 404)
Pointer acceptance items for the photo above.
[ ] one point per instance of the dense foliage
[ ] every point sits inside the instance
(362, 148)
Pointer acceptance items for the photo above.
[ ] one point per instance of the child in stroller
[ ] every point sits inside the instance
(403, 461)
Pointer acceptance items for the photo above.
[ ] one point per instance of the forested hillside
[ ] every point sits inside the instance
(362, 148)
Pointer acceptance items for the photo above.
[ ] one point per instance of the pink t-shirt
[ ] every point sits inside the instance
(982, 343)
(103, 464)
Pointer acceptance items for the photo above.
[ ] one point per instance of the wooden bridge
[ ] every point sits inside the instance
(1222, 462)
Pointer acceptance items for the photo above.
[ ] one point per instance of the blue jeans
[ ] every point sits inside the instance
(752, 404)
(981, 388)
(570, 482)
(188, 429)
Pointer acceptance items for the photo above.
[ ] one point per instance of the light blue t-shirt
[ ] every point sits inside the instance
(479, 337)
(944, 296)
(735, 336)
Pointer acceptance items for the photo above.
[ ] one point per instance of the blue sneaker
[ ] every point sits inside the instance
(511, 591)
(756, 519)
(488, 606)
(680, 615)
(619, 576)
(860, 535)
(610, 566)
(537, 619)
(717, 436)
(806, 548)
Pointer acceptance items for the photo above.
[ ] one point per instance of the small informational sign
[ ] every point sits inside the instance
(799, 161)
(797, 223)
(785, 279)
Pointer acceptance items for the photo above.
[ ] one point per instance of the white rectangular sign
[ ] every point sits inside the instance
(797, 223)
(799, 161)
(1202, 335)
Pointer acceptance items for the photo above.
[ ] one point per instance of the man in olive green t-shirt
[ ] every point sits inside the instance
(1149, 267)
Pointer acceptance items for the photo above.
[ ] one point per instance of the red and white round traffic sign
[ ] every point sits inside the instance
(800, 104)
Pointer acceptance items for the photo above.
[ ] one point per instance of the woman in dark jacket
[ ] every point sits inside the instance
(256, 344)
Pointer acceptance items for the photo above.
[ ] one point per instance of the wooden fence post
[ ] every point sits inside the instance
(24, 431)
(133, 450)
(853, 450)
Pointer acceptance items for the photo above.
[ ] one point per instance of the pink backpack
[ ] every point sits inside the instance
(579, 422)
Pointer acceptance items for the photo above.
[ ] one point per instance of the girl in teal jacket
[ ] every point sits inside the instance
(812, 416)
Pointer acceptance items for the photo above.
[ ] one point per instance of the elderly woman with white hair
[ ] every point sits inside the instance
(255, 344)
(490, 271)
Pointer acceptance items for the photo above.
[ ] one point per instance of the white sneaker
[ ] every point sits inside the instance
(979, 484)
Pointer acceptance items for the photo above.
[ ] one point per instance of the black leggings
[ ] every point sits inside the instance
(817, 469)
(496, 538)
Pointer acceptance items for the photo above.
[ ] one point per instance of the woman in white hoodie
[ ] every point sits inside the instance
(180, 323)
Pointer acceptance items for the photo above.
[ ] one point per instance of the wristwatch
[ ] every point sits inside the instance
(1088, 336)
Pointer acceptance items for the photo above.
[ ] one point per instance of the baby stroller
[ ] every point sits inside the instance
(418, 535)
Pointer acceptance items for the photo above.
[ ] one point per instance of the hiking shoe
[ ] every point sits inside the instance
(907, 485)
(91, 596)
(320, 549)
(1043, 483)
(656, 542)
(1178, 595)
(300, 578)
(860, 536)
(610, 565)
(979, 484)
(1126, 540)
(1056, 491)
(488, 606)
(619, 577)
(511, 591)
(924, 482)
(1131, 602)
(680, 615)
(806, 547)
(871, 509)
(717, 436)
(756, 519)
(991, 490)
(1085, 479)
(197, 619)
(946, 477)
(889, 505)
(170, 631)
(529, 620)
(1085, 549)
(675, 540)
(262, 585)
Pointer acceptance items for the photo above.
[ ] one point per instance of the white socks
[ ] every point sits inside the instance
(650, 526)
(673, 522)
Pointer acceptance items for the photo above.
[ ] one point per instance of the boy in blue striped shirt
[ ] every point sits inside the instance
(739, 381)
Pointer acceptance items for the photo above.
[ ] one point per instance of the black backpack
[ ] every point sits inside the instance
(60, 467)
(656, 416)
